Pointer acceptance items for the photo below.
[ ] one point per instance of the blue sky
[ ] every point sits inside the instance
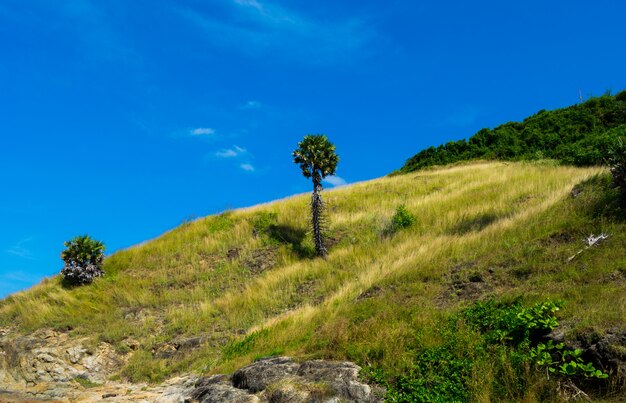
(122, 119)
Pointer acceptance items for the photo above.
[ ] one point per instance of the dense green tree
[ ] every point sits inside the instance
(581, 135)
(317, 159)
(83, 260)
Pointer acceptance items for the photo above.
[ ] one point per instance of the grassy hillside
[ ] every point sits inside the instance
(580, 135)
(247, 283)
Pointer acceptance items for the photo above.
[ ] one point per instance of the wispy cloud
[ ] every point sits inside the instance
(250, 3)
(19, 276)
(251, 105)
(247, 167)
(235, 151)
(202, 131)
(20, 251)
(335, 181)
(257, 27)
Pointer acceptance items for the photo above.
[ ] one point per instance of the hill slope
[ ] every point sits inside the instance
(243, 284)
(579, 135)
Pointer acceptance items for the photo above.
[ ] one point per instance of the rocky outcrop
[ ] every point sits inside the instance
(259, 375)
(44, 364)
(52, 366)
(280, 379)
(50, 356)
(607, 352)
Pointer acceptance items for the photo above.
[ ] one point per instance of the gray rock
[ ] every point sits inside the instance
(75, 353)
(221, 392)
(259, 375)
(342, 377)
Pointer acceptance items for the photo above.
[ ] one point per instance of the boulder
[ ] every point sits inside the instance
(259, 375)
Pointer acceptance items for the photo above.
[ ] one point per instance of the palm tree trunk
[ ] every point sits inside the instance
(317, 211)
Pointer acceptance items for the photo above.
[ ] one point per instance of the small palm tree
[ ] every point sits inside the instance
(83, 260)
(317, 159)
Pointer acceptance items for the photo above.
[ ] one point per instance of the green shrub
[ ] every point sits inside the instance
(521, 328)
(263, 221)
(617, 163)
(503, 336)
(579, 135)
(439, 373)
(402, 218)
(83, 260)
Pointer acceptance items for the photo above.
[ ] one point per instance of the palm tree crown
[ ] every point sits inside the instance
(316, 157)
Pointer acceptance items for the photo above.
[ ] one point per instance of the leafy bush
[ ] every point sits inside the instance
(617, 163)
(512, 323)
(521, 329)
(263, 221)
(83, 260)
(580, 135)
(437, 375)
(402, 218)
(506, 335)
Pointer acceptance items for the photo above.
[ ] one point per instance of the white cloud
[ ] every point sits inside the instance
(335, 181)
(247, 167)
(226, 153)
(250, 3)
(251, 105)
(259, 28)
(20, 251)
(202, 131)
(231, 152)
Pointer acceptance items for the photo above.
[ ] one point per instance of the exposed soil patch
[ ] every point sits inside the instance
(261, 260)
(558, 238)
(209, 260)
(617, 276)
(466, 282)
(306, 288)
(369, 293)
(169, 349)
(334, 238)
(233, 253)
(523, 199)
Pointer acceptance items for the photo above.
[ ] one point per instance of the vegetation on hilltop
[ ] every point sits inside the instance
(246, 283)
(580, 135)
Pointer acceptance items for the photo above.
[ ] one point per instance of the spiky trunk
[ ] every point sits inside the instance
(317, 216)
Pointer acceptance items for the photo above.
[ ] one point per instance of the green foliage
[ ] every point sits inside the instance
(86, 382)
(402, 218)
(263, 221)
(617, 163)
(521, 328)
(436, 375)
(243, 346)
(579, 135)
(316, 157)
(512, 323)
(83, 260)
(142, 366)
(220, 222)
(508, 335)
(568, 363)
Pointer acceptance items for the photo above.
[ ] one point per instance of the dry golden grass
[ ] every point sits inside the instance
(253, 295)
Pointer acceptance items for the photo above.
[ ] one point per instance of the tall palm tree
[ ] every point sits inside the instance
(317, 159)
